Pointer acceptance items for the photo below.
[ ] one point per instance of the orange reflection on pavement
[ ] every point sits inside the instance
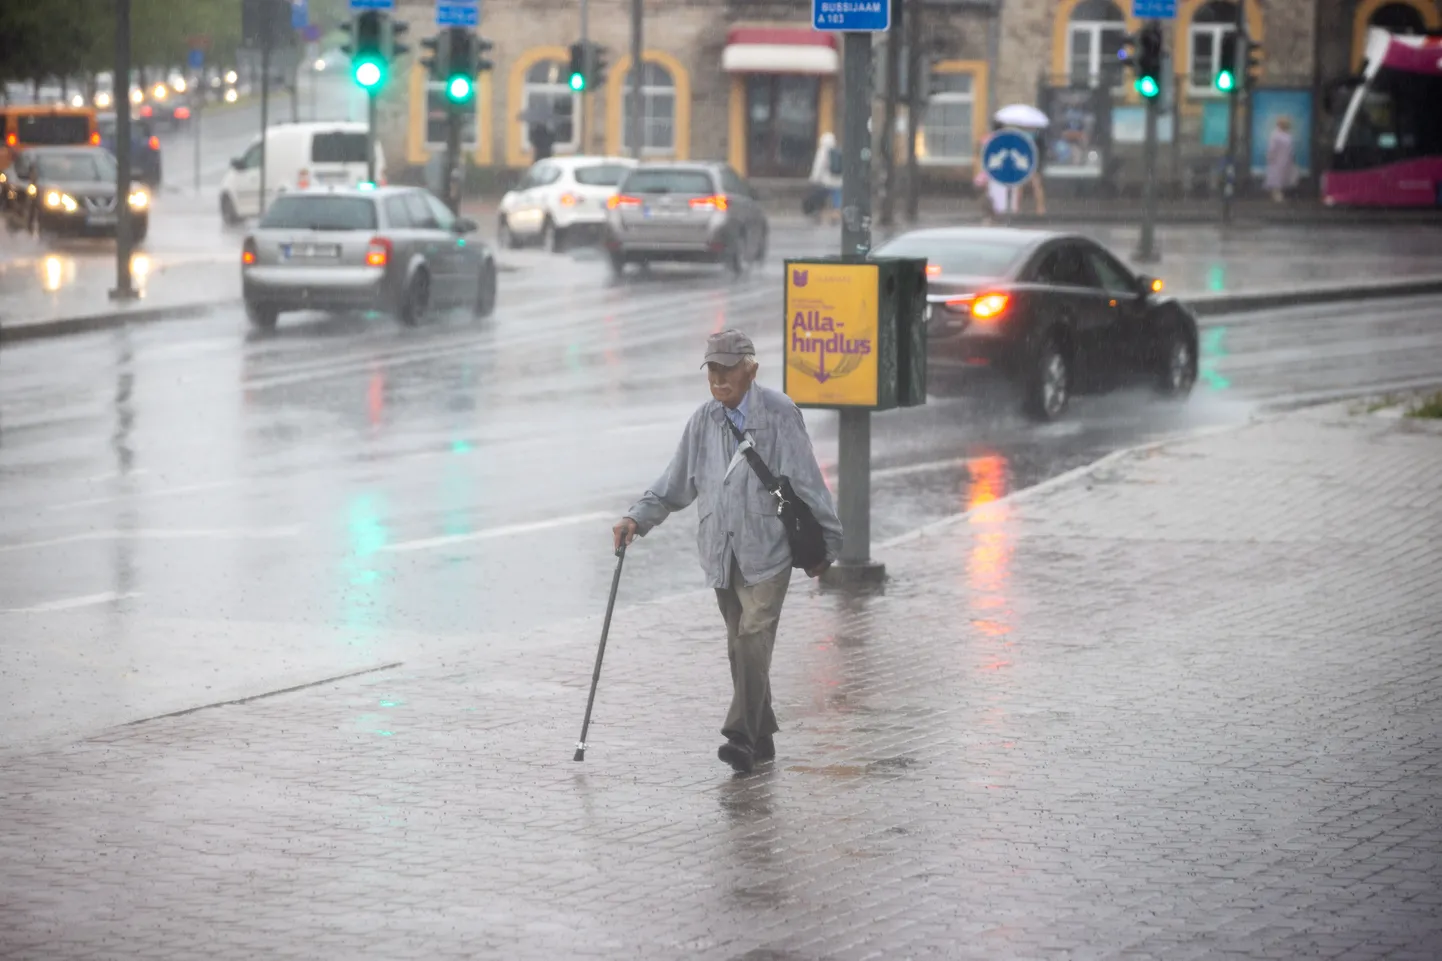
(988, 566)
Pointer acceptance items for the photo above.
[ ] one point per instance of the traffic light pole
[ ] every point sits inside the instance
(589, 69)
(124, 290)
(264, 109)
(855, 566)
(1146, 245)
(1229, 185)
(637, 103)
(453, 156)
(370, 136)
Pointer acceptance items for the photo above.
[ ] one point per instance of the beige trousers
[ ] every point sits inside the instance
(752, 613)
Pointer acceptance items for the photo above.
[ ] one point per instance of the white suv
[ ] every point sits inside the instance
(557, 197)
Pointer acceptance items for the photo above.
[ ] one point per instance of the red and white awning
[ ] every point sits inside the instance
(779, 50)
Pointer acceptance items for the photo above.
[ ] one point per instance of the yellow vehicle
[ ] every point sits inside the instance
(36, 126)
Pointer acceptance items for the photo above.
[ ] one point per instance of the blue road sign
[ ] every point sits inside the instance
(299, 14)
(372, 4)
(861, 16)
(458, 13)
(1154, 9)
(195, 59)
(1009, 157)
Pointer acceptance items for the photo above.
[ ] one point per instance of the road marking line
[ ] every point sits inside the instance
(162, 492)
(507, 530)
(70, 603)
(157, 535)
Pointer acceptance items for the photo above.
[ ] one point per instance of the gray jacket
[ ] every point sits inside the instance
(738, 515)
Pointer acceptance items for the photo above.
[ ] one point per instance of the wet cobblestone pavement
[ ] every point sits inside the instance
(1185, 705)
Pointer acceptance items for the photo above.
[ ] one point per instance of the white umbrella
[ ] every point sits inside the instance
(1023, 115)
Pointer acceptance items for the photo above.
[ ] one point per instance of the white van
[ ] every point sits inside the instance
(298, 156)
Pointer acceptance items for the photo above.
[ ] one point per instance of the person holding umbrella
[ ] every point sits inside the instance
(1033, 121)
(538, 132)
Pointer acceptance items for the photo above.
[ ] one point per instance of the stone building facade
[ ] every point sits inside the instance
(750, 82)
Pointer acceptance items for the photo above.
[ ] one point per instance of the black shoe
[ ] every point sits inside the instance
(765, 749)
(737, 755)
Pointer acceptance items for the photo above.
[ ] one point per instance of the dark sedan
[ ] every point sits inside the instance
(144, 146)
(1050, 314)
(71, 190)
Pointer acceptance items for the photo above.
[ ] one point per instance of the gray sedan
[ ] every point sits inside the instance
(393, 249)
(697, 212)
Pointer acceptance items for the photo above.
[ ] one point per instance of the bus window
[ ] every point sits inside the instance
(38, 130)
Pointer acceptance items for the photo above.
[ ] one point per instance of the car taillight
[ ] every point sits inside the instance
(378, 252)
(989, 306)
(568, 200)
(182, 113)
(933, 270)
(247, 253)
(717, 202)
(9, 140)
(95, 140)
(302, 179)
(154, 143)
(146, 111)
(621, 200)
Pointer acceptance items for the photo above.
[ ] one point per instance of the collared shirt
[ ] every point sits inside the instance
(737, 514)
(737, 416)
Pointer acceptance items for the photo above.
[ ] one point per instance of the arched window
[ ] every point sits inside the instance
(548, 96)
(1212, 23)
(1398, 18)
(1094, 35)
(658, 110)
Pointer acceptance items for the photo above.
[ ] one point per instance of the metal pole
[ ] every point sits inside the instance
(854, 469)
(888, 120)
(914, 106)
(590, 68)
(453, 127)
(635, 120)
(371, 137)
(1146, 247)
(124, 290)
(1229, 173)
(264, 104)
(195, 127)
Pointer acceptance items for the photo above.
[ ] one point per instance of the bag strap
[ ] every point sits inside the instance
(768, 480)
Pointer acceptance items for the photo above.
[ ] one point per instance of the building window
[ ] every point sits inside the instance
(658, 110)
(947, 131)
(1094, 35)
(438, 110)
(1213, 22)
(548, 95)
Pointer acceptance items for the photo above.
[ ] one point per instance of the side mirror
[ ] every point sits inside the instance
(464, 225)
(237, 163)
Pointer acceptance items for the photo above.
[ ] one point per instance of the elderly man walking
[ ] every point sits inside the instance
(743, 545)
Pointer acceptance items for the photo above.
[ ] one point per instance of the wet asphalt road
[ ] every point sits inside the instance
(193, 513)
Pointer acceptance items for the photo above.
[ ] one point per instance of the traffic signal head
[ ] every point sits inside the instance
(597, 76)
(433, 57)
(368, 59)
(1149, 61)
(1253, 66)
(1226, 78)
(578, 67)
(460, 66)
(394, 47)
(482, 47)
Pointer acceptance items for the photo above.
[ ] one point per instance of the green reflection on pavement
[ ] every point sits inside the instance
(1213, 348)
(1217, 278)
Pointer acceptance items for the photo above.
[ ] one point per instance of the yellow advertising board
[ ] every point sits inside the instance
(831, 334)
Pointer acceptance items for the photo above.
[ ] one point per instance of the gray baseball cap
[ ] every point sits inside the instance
(727, 347)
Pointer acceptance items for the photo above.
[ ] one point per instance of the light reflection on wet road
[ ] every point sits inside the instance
(191, 512)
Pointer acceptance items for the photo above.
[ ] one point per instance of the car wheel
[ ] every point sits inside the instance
(736, 255)
(486, 294)
(1048, 386)
(1178, 371)
(504, 238)
(617, 261)
(417, 298)
(228, 214)
(553, 240)
(761, 245)
(261, 316)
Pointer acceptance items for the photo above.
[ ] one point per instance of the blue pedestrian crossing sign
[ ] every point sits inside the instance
(1009, 157)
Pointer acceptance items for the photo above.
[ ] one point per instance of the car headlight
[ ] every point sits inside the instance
(102, 100)
(52, 199)
(231, 95)
(68, 202)
(180, 85)
(139, 199)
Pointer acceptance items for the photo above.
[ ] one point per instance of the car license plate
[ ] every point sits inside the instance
(304, 251)
(100, 220)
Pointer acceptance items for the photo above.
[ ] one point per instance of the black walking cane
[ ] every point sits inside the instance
(601, 651)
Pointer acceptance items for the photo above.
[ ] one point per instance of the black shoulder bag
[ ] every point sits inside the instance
(803, 530)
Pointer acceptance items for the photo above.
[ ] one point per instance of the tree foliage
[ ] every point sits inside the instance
(46, 39)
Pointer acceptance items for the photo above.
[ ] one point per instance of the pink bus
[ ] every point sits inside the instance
(1389, 146)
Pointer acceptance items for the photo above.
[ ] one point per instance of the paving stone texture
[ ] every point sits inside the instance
(1188, 705)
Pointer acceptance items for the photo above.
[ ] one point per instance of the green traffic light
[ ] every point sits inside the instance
(458, 89)
(1147, 87)
(578, 81)
(1225, 81)
(368, 74)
